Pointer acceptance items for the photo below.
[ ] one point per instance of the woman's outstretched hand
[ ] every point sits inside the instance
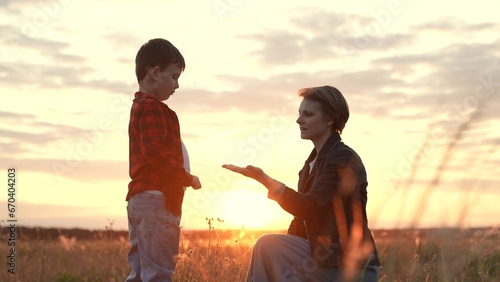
(257, 174)
(249, 171)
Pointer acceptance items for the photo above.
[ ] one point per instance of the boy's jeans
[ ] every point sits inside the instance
(154, 238)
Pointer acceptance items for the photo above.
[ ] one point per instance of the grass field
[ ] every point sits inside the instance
(223, 255)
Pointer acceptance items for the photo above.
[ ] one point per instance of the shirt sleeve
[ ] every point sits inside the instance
(276, 194)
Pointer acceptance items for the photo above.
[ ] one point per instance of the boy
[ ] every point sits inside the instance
(156, 168)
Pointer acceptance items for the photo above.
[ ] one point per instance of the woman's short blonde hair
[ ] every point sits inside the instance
(332, 102)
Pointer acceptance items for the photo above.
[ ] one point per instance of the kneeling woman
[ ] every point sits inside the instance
(328, 238)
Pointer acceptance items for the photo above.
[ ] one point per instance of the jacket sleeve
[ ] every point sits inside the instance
(325, 185)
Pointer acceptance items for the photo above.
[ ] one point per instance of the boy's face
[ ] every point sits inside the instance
(165, 81)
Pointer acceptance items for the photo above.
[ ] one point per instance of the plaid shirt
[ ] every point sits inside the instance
(155, 156)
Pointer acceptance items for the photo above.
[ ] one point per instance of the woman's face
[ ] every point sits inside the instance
(314, 124)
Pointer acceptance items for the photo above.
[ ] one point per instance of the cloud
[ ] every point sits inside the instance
(12, 149)
(120, 39)
(15, 116)
(408, 84)
(460, 78)
(34, 138)
(363, 90)
(17, 141)
(11, 6)
(6, 3)
(281, 47)
(454, 25)
(279, 91)
(72, 166)
(60, 215)
(316, 34)
(17, 43)
(59, 76)
(57, 67)
(384, 89)
(32, 150)
(247, 98)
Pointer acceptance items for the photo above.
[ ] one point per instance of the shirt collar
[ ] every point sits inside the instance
(139, 95)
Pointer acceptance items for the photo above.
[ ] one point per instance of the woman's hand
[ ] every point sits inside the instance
(249, 171)
(257, 174)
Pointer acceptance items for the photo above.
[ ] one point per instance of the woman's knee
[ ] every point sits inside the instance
(268, 240)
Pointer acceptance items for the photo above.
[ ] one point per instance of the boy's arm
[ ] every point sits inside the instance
(153, 132)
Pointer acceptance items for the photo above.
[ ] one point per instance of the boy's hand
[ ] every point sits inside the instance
(196, 183)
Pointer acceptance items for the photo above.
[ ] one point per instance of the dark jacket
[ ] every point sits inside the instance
(330, 201)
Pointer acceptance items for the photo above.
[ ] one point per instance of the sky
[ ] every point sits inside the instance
(421, 78)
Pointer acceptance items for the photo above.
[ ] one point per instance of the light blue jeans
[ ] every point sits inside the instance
(280, 257)
(154, 239)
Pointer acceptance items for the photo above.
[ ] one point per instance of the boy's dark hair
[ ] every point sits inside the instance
(157, 52)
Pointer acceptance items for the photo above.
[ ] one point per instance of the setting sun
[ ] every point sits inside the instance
(248, 208)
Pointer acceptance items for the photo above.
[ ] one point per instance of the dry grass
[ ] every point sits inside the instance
(440, 255)
(223, 255)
